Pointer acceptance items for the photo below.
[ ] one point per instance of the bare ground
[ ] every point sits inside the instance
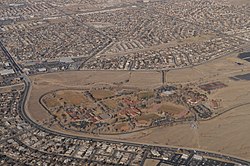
(228, 133)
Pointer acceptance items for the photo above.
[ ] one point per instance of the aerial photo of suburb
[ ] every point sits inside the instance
(124, 83)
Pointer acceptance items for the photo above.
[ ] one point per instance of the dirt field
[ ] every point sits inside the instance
(145, 95)
(10, 88)
(100, 94)
(228, 133)
(147, 117)
(171, 109)
(122, 127)
(112, 104)
(42, 84)
(151, 162)
(72, 97)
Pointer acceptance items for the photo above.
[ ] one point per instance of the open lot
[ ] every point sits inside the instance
(100, 94)
(171, 109)
(59, 98)
(227, 133)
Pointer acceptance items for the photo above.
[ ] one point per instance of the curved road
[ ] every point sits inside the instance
(26, 118)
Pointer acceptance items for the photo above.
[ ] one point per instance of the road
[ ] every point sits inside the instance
(13, 63)
(27, 119)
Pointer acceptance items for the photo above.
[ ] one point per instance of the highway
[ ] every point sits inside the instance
(13, 63)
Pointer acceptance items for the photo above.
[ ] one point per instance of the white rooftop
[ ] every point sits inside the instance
(7, 72)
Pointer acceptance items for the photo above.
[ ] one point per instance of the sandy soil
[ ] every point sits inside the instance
(12, 87)
(171, 108)
(42, 84)
(100, 94)
(150, 162)
(228, 133)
